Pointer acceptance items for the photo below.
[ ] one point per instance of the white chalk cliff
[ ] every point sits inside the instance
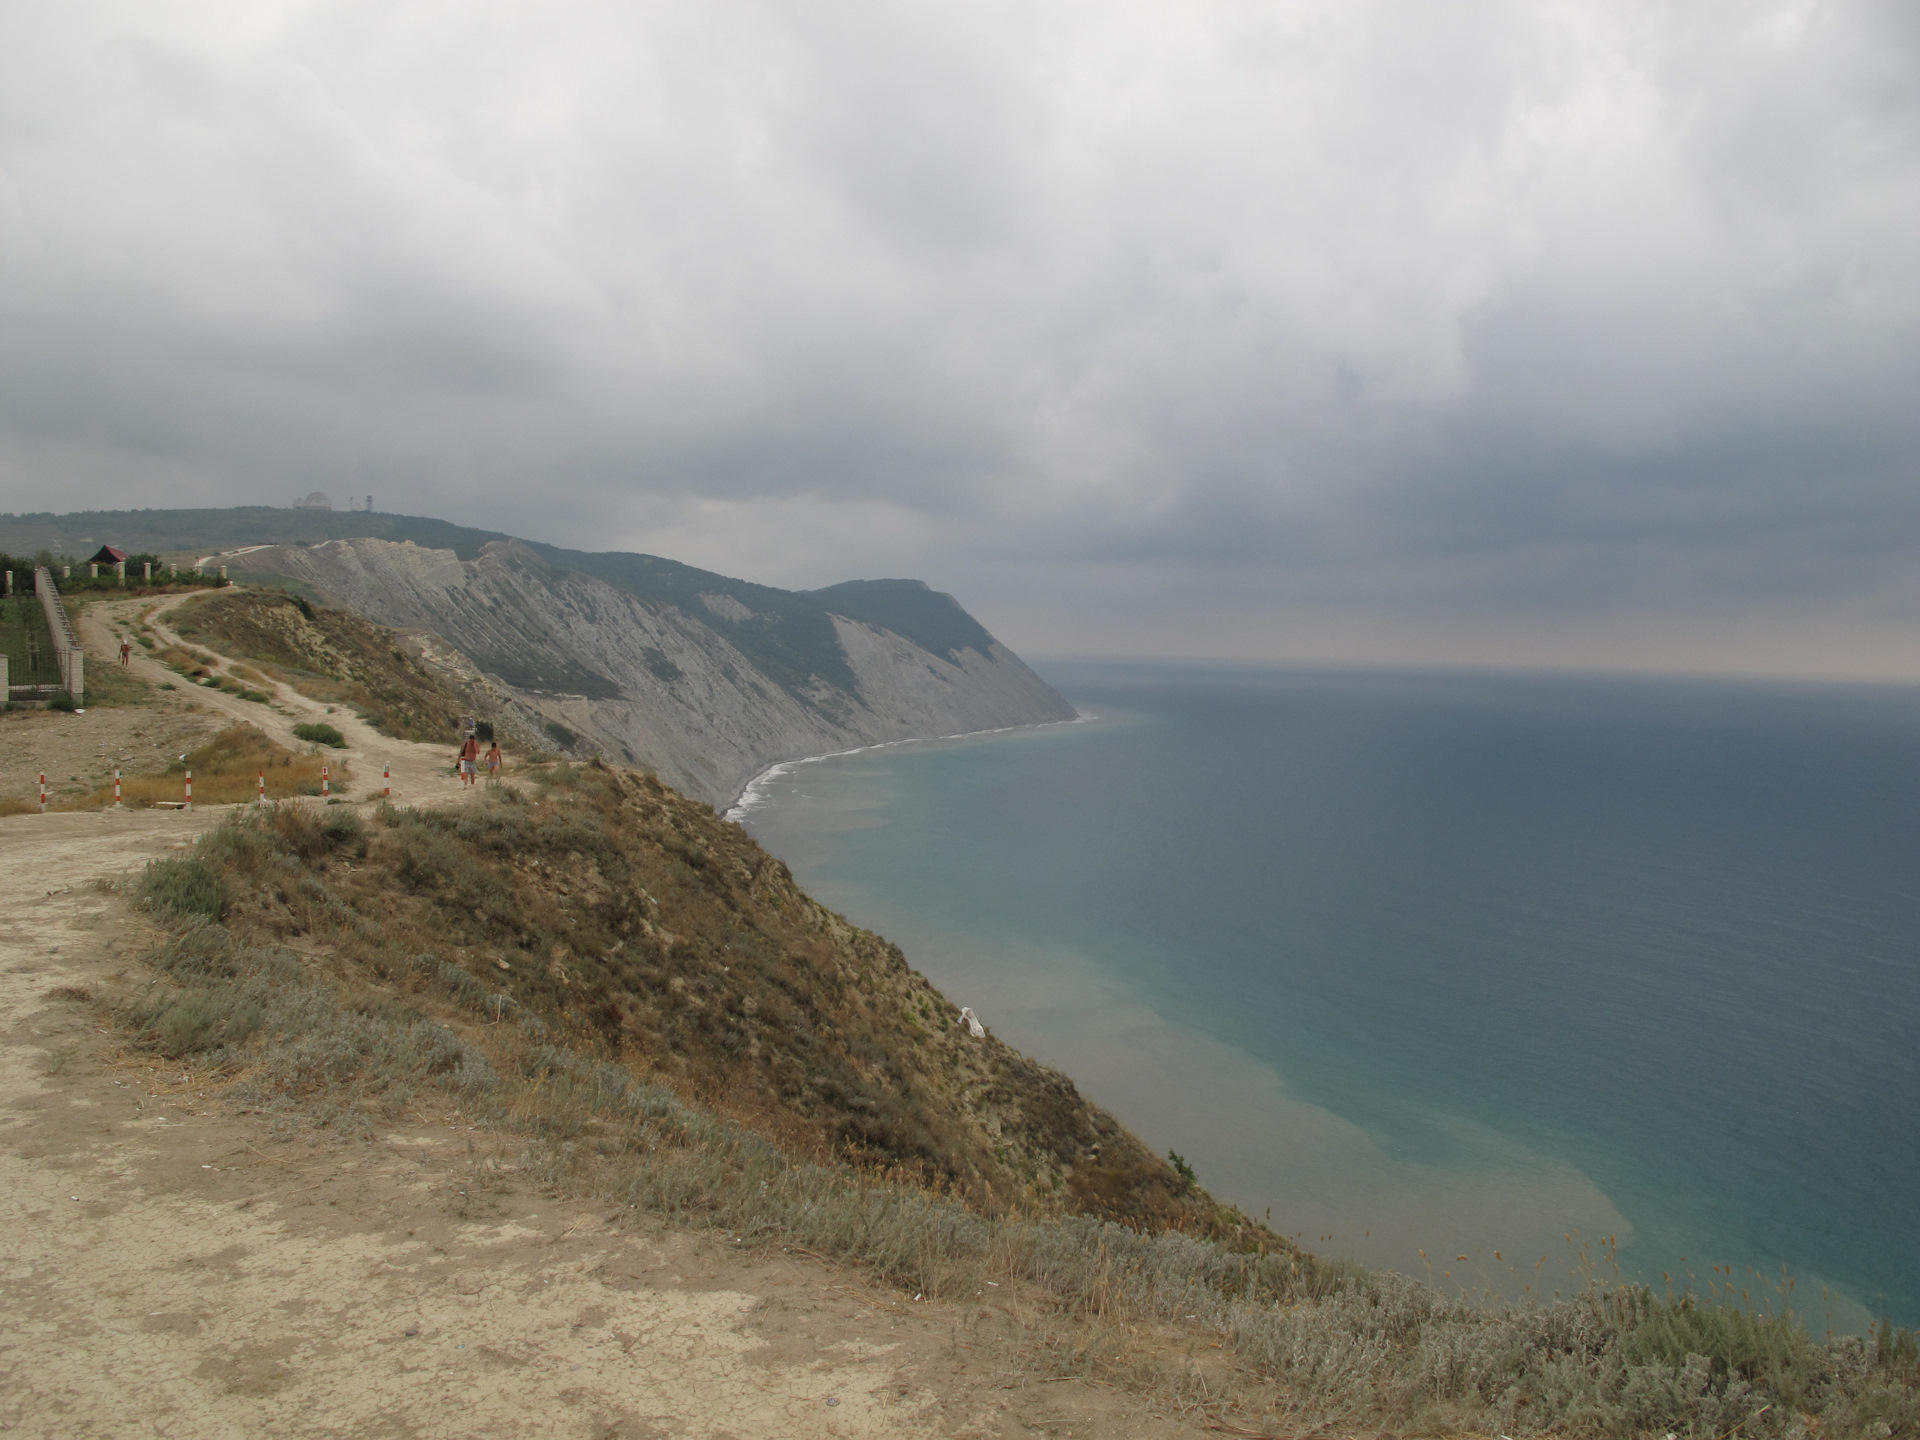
(706, 679)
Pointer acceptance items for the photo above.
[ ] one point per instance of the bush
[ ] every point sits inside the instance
(63, 701)
(318, 734)
(199, 1021)
(562, 734)
(302, 832)
(184, 887)
(343, 831)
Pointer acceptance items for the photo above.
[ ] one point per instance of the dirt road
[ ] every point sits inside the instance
(420, 773)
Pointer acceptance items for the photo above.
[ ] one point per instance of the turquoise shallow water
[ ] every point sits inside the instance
(1451, 963)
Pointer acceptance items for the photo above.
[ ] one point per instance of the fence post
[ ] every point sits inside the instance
(120, 571)
(223, 574)
(77, 675)
(9, 582)
(146, 571)
(93, 571)
(6, 689)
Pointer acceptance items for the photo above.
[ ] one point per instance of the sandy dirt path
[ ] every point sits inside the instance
(420, 773)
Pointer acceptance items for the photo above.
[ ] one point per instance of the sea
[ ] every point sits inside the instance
(1503, 980)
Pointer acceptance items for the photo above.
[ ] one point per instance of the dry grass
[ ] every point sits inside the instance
(226, 771)
(643, 928)
(333, 656)
(204, 669)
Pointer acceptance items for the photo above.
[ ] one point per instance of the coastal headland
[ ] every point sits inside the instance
(551, 1104)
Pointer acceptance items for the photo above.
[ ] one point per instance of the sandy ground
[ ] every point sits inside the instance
(78, 753)
(173, 1266)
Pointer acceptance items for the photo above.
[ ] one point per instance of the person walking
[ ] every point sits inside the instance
(494, 759)
(469, 755)
(126, 653)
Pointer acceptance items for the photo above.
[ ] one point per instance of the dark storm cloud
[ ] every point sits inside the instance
(1385, 310)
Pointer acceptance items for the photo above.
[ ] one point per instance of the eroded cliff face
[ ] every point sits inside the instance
(708, 691)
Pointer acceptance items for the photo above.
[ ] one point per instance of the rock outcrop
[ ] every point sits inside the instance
(706, 679)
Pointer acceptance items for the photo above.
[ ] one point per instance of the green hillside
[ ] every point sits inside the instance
(911, 608)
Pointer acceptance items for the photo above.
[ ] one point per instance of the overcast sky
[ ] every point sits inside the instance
(1555, 332)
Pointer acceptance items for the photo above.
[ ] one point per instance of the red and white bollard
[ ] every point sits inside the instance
(386, 776)
(324, 792)
(116, 789)
(43, 792)
(189, 789)
(263, 787)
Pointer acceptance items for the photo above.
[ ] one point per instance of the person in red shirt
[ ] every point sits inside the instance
(469, 753)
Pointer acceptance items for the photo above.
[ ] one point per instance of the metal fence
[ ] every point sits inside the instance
(46, 658)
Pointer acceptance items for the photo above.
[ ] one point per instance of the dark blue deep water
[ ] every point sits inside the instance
(1445, 962)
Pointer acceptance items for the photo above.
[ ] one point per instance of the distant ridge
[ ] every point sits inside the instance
(163, 531)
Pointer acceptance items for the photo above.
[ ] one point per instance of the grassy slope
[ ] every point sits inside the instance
(330, 655)
(641, 927)
(933, 621)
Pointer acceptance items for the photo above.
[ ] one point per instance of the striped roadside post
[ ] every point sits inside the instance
(189, 789)
(324, 792)
(386, 778)
(116, 789)
(43, 792)
(263, 787)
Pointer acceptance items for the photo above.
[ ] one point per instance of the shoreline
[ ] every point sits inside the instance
(753, 794)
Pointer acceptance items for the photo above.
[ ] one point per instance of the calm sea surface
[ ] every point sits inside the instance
(1451, 963)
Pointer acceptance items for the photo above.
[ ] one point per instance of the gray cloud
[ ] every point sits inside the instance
(1231, 327)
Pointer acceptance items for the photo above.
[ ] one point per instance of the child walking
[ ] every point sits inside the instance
(469, 754)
